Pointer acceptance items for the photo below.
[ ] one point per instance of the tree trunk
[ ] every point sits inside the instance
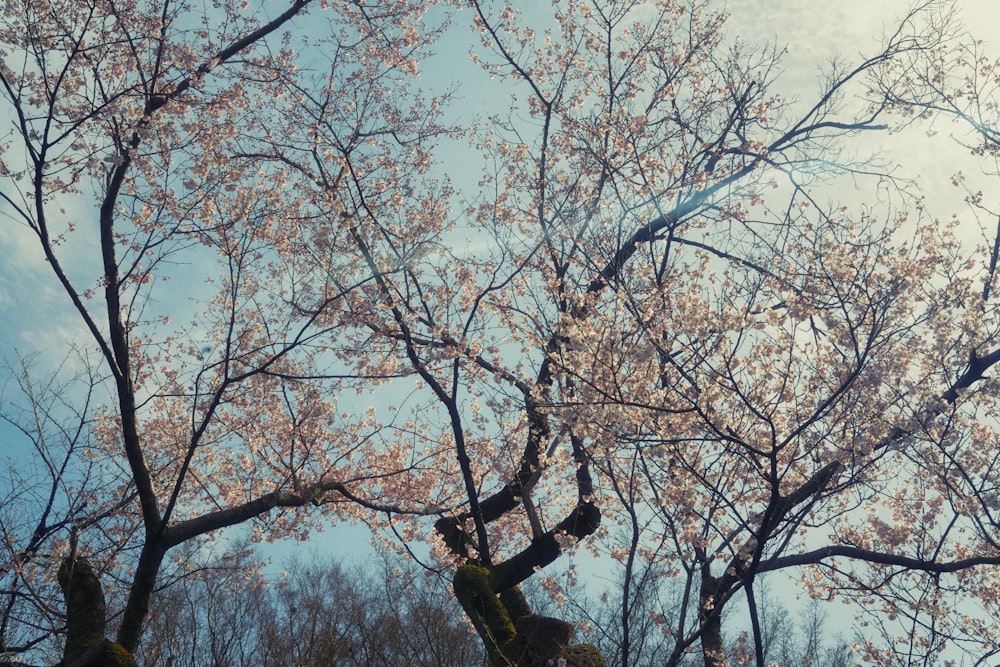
(710, 618)
(86, 616)
(511, 633)
(143, 585)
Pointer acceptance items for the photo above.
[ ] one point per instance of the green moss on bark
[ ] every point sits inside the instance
(105, 653)
(583, 655)
(531, 641)
(85, 607)
(86, 611)
(488, 614)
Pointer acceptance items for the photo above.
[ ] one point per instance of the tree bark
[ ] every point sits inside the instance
(86, 614)
(710, 619)
(140, 593)
(512, 634)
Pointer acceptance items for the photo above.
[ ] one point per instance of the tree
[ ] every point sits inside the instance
(49, 492)
(655, 311)
(352, 616)
(211, 610)
(821, 378)
(319, 612)
(737, 371)
(134, 132)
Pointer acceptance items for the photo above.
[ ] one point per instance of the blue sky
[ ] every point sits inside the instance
(35, 318)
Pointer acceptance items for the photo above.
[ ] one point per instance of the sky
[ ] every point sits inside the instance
(812, 32)
(33, 317)
(33, 313)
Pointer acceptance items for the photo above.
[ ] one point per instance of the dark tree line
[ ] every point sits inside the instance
(320, 613)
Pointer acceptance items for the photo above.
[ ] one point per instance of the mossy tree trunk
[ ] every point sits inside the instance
(512, 634)
(86, 617)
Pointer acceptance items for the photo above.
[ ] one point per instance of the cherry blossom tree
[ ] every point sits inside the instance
(131, 161)
(747, 377)
(644, 310)
(766, 389)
